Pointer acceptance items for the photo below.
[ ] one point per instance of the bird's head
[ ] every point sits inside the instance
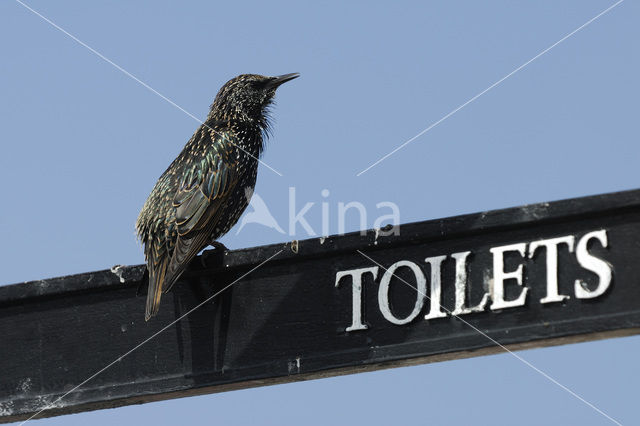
(246, 98)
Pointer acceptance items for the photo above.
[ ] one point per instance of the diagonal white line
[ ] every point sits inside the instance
(121, 357)
(518, 357)
(490, 87)
(136, 79)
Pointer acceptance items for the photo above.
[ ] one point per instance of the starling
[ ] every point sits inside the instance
(203, 192)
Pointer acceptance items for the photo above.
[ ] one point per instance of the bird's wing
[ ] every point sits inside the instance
(198, 205)
(203, 188)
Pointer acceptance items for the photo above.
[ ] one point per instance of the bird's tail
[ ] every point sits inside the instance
(165, 270)
(184, 251)
(157, 267)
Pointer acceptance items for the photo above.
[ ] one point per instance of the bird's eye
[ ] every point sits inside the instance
(257, 85)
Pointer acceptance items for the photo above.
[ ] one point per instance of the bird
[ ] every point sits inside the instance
(203, 192)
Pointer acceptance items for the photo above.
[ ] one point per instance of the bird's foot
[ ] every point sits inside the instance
(214, 258)
(219, 246)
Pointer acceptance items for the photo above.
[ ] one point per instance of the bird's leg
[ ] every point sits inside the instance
(216, 258)
(218, 246)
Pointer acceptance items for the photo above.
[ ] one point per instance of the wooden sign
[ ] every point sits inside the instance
(524, 277)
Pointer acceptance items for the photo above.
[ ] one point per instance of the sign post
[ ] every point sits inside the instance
(525, 277)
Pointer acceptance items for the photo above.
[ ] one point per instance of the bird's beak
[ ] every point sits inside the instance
(278, 80)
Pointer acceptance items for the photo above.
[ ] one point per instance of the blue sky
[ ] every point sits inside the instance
(83, 144)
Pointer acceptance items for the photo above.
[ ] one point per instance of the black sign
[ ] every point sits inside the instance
(525, 277)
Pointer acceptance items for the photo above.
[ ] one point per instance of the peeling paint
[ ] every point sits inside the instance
(37, 404)
(47, 403)
(488, 282)
(322, 239)
(294, 246)
(25, 385)
(294, 366)
(6, 408)
(461, 276)
(118, 270)
(535, 211)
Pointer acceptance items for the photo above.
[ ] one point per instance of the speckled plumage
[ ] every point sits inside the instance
(203, 192)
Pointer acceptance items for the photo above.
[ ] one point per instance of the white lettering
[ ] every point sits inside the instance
(461, 287)
(356, 300)
(435, 295)
(499, 276)
(593, 264)
(552, 264)
(383, 292)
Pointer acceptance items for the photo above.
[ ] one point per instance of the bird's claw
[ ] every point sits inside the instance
(219, 246)
(215, 258)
